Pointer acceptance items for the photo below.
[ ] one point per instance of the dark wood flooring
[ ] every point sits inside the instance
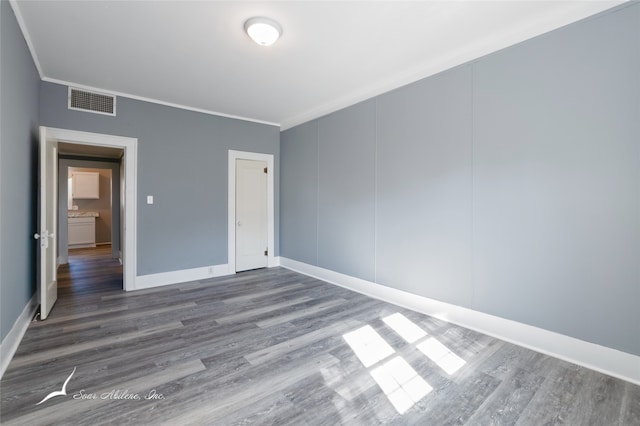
(273, 347)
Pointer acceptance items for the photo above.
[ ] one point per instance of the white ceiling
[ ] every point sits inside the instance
(331, 54)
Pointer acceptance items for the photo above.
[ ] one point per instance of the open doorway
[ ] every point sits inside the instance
(50, 191)
(89, 218)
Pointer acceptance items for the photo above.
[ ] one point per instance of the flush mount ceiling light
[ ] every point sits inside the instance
(263, 31)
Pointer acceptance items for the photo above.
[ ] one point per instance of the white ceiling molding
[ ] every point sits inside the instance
(197, 56)
(464, 55)
(27, 37)
(156, 101)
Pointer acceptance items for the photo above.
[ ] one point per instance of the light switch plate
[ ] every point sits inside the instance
(149, 199)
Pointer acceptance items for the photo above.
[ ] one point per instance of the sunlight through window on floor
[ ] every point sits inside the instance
(368, 345)
(407, 329)
(441, 355)
(401, 383)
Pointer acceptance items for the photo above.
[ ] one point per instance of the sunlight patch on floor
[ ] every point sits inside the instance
(406, 328)
(431, 347)
(368, 345)
(441, 355)
(401, 383)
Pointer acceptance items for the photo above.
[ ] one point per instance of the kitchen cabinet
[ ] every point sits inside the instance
(85, 185)
(82, 232)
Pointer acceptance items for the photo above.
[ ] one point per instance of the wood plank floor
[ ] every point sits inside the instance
(273, 347)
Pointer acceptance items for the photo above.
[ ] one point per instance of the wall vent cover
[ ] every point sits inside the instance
(99, 103)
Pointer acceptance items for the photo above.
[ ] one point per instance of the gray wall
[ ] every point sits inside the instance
(299, 192)
(19, 84)
(509, 185)
(424, 187)
(182, 162)
(346, 191)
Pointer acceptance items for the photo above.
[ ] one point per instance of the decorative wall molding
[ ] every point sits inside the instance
(606, 360)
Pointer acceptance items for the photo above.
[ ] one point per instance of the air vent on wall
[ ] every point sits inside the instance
(82, 100)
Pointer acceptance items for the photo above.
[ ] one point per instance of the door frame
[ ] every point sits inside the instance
(231, 203)
(130, 147)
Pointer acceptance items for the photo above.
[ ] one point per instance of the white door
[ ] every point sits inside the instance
(251, 214)
(47, 207)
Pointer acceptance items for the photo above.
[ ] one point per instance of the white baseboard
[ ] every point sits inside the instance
(606, 360)
(87, 245)
(276, 262)
(14, 337)
(181, 276)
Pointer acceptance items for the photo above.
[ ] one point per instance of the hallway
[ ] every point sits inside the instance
(89, 271)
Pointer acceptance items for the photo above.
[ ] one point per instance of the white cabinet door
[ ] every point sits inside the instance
(82, 231)
(86, 185)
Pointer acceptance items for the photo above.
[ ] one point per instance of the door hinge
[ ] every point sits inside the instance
(265, 170)
(266, 252)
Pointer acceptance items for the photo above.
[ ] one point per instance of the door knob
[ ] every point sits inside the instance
(44, 238)
(239, 223)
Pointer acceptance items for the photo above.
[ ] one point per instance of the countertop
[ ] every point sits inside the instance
(78, 213)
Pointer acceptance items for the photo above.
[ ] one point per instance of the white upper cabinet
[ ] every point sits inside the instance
(86, 185)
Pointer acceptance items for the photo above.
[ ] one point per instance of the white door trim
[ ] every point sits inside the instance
(231, 238)
(130, 159)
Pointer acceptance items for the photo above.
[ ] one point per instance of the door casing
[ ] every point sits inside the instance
(130, 147)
